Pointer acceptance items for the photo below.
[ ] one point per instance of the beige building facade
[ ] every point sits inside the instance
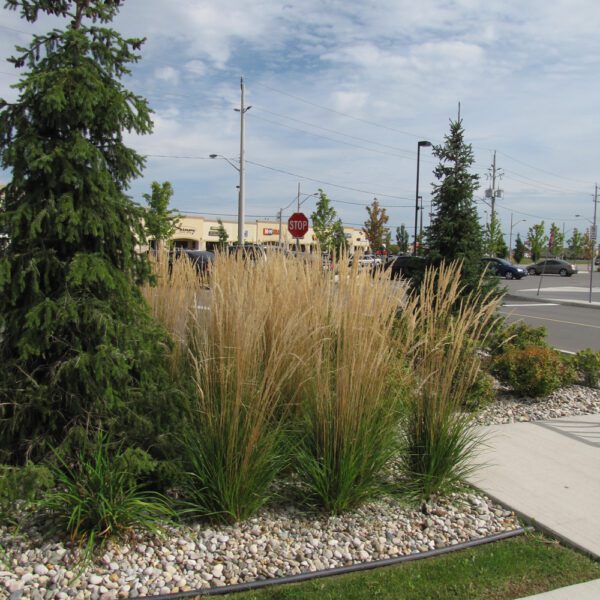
(196, 232)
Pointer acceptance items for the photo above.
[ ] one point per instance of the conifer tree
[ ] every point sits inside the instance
(402, 238)
(455, 233)
(519, 249)
(78, 346)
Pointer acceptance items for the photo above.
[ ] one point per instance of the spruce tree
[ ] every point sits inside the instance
(519, 253)
(78, 346)
(455, 233)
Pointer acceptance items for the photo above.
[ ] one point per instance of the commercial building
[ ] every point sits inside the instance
(196, 232)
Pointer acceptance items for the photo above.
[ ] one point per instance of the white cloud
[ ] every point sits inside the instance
(168, 74)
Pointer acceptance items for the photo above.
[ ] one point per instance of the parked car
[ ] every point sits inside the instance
(597, 263)
(552, 266)
(254, 252)
(409, 267)
(201, 259)
(503, 268)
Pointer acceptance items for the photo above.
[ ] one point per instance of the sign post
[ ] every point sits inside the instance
(298, 227)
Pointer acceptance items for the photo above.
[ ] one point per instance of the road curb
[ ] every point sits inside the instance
(581, 303)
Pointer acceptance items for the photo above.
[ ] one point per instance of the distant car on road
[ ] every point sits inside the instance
(597, 263)
(552, 266)
(409, 267)
(503, 268)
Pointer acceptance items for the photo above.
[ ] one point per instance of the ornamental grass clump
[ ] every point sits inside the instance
(349, 413)
(97, 496)
(441, 330)
(241, 354)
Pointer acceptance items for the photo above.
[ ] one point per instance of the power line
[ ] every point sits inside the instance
(344, 187)
(337, 112)
(354, 137)
(329, 138)
(539, 169)
(297, 176)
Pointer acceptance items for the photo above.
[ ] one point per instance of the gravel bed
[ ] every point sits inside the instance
(566, 402)
(279, 542)
(276, 543)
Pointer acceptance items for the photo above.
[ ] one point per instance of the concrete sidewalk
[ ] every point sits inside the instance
(549, 473)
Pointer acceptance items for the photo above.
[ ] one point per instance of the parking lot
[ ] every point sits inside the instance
(561, 304)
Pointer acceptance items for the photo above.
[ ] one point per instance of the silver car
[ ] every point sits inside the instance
(552, 266)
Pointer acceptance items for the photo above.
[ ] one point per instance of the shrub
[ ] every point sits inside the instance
(21, 486)
(437, 331)
(516, 335)
(533, 370)
(481, 393)
(97, 496)
(587, 362)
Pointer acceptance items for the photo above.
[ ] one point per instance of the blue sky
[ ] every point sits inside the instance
(341, 92)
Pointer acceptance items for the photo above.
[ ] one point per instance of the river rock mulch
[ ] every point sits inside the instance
(279, 542)
(567, 402)
(274, 544)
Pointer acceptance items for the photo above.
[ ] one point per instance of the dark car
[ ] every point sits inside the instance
(408, 267)
(254, 252)
(597, 263)
(503, 268)
(552, 266)
(201, 259)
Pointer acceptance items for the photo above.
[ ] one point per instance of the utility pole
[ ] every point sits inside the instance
(593, 237)
(492, 192)
(241, 197)
(298, 210)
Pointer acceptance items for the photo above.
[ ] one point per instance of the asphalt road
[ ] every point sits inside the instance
(562, 307)
(555, 287)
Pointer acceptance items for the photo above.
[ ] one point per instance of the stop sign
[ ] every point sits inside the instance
(298, 225)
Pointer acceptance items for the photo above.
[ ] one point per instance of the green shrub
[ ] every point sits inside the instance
(97, 496)
(533, 370)
(587, 362)
(21, 485)
(481, 393)
(516, 335)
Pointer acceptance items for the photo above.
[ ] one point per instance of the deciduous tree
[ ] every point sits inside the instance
(327, 226)
(537, 239)
(161, 221)
(374, 227)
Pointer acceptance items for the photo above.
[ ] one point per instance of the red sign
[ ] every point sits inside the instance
(298, 225)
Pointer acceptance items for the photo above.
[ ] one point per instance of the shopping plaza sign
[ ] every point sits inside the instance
(298, 225)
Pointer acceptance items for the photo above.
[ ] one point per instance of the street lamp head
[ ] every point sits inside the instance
(213, 155)
(424, 143)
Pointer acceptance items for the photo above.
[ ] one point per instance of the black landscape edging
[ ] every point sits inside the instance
(365, 566)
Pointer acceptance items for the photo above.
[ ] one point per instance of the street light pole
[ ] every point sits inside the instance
(242, 195)
(593, 237)
(510, 234)
(420, 145)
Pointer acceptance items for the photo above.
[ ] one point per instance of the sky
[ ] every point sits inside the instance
(342, 91)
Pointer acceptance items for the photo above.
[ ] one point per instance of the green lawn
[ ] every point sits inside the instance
(512, 568)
